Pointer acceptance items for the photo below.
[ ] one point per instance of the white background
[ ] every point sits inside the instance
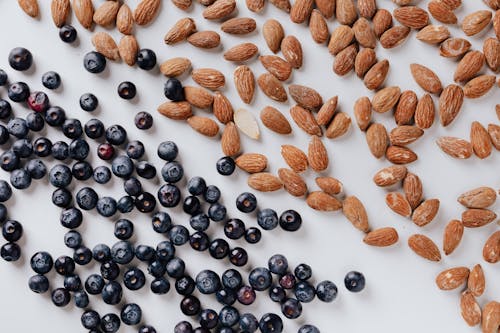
(400, 294)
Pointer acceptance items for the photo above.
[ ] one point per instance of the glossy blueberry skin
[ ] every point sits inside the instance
(199, 241)
(326, 291)
(124, 229)
(22, 148)
(196, 186)
(135, 149)
(212, 194)
(10, 252)
(175, 268)
(246, 295)
(126, 90)
(147, 329)
(71, 218)
(278, 264)
(132, 186)
(199, 222)
(38, 284)
(246, 202)
(190, 306)
(277, 294)
(12, 231)
(172, 172)
(61, 297)
(217, 212)
(42, 147)
(86, 198)
(3, 213)
(110, 323)
(208, 318)
(167, 151)
(81, 299)
(20, 59)
(35, 121)
(64, 265)
(225, 166)
(260, 279)
(183, 327)
(161, 222)
(131, 314)
(79, 149)
(38, 101)
(145, 170)
(145, 253)
(219, 248)
(226, 296)
(126, 204)
(122, 252)
(304, 292)
(51, 80)
(41, 262)
(105, 151)
(55, 116)
(174, 90)
(122, 166)
(94, 128)
(106, 206)
(287, 281)
(308, 329)
(73, 239)
(208, 282)
(185, 285)
(354, 281)
(112, 293)
(191, 205)
(18, 128)
(101, 174)
(234, 228)
(18, 92)
(5, 109)
(134, 279)
(110, 270)
(232, 279)
(165, 251)
(82, 255)
(116, 135)
(248, 323)
(72, 128)
(290, 220)
(143, 120)
(72, 282)
(229, 316)
(271, 323)
(253, 235)
(291, 308)
(60, 175)
(82, 170)
(94, 62)
(4, 135)
(60, 150)
(90, 319)
(9, 161)
(3, 77)
(157, 268)
(303, 272)
(146, 59)
(67, 33)
(238, 256)
(160, 286)
(5, 191)
(169, 195)
(226, 330)
(20, 179)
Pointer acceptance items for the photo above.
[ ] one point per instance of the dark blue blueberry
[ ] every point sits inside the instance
(112, 293)
(135, 149)
(191, 205)
(303, 272)
(72, 282)
(208, 318)
(106, 206)
(5, 109)
(12, 231)
(18, 127)
(41, 262)
(308, 329)
(157, 268)
(248, 323)
(238, 256)
(134, 278)
(35, 121)
(131, 314)
(165, 251)
(102, 174)
(199, 222)
(260, 279)
(86, 198)
(232, 279)
(246, 202)
(9, 161)
(124, 229)
(145, 202)
(354, 281)
(101, 253)
(304, 292)
(10, 252)
(3, 77)
(172, 172)
(82, 255)
(79, 149)
(175, 268)
(18, 92)
(178, 235)
(55, 116)
(60, 150)
(169, 195)
(110, 270)
(199, 241)
(42, 147)
(39, 283)
(161, 222)
(94, 62)
(4, 135)
(3, 213)
(196, 186)
(122, 166)
(246, 295)
(61, 297)
(208, 282)
(81, 299)
(212, 194)
(226, 296)
(20, 59)
(110, 323)
(132, 186)
(168, 151)
(71, 218)
(143, 120)
(183, 327)
(145, 253)
(94, 128)
(82, 170)
(64, 265)
(51, 80)
(225, 166)
(60, 175)
(234, 228)
(147, 329)
(145, 170)
(5, 191)
(126, 90)
(73, 239)
(20, 179)
(326, 291)
(290, 220)
(291, 308)
(217, 212)
(160, 286)
(72, 128)
(184, 285)
(190, 306)
(253, 235)
(288, 281)
(88, 102)
(125, 204)
(22, 148)
(146, 59)
(67, 33)
(174, 90)
(90, 319)
(229, 316)
(122, 252)
(225, 330)
(116, 135)
(278, 264)
(270, 323)
(219, 248)
(277, 294)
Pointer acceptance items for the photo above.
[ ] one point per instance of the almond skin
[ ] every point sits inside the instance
(412, 186)
(475, 22)
(382, 21)
(479, 86)
(30, 7)
(425, 113)
(239, 26)
(394, 37)
(301, 10)
(84, 12)
(367, 8)
(400, 155)
(208, 78)
(452, 278)
(469, 66)
(292, 51)
(390, 175)
(476, 282)
(494, 133)
(385, 99)
(60, 11)
(146, 11)
(425, 212)
(105, 45)
(175, 66)
(341, 37)
(475, 218)
(411, 16)
(406, 107)
(441, 12)
(491, 249)
(470, 310)
(480, 140)
(105, 14)
(426, 78)
(264, 182)
(455, 147)
(398, 204)
(450, 103)
(182, 4)
(292, 182)
(491, 50)
(454, 47)
(219, 9)
(330, 185)
(272, 87)
(222, 108)
(354, 210)
(295, 158)
(278, 67)
(382, 237)
(326, 7)
(452, 236)
(306, 97)
(204, 39)
(345, 59)
(176, 110)
(327, 111)
(376, 75)
(273, 34)
(128, 49)
(339, 125)
(363, 112)
(251, 162)
(317, 155)
(275, 120)
(203, 125)
(433, 34)
(404, 135)
(281, 4)
(198, 97)
(125, 20)
(345, 11)
(364, 34)
(230, 140)
(491, 317)
(424, 247)
(377, 139)
(323, 202)
(180, 31)
(255, 6)
(318, 27)
(241, 52)
(244, 81)
(365, 59)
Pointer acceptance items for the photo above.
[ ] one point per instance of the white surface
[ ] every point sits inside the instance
(400, 295)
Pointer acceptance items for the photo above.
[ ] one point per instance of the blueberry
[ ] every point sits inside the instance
(165, 251)
(199, 222)
(184, 285)
(71, 218)
(38, 101)
(290, 220)
(82, 255)
(167, 151)
(42, 147)
(270, 323)
(10, 252)
(143, 120)
(246, 295)
(146, 59)
(20, 59)
(199, 241)
(3, 77)
(61, 297)
(73, 239)
(116, 135)
(134, 278)
(18, 127)
(169, 195)
(246, 202)
(212, 194)
(110, 323)
(94, 128)
(175, 267)
(217, 212)
(326, 291)
(106, 206)
(12, 231)
(253, 235)
(183, 327)
(157, 268)
(18, 92)
(354, 281)
(72, 282)
(172, 172)
(190, 306)
(219, 248)
(3, 213)
(41, 262)
(260, 279)
(5, 191)
(248, 323)
(191, 205)
(147, 329)
(303, 272)
(55, 116)
(5, 109)
(277, 294)
(225, 166)
(126, 90)
(38, 284)
(229, 316)
(67, 33)
(82, 170)
(132, 186)
(9, 160)
(122, 252)
(110, 270)
(124, 229)
(226, 296)
(102, 174)
(81, 299)
(72, 128)
(90, 319)
(145, 202)
(64, 265)
(226, 330)
(88, 102)
(145, 170)
(304, 292)
(51, 80)
(35, 121)
(160, 286)
(135, 149)
(232, 279)
(94, 62)
(291, 308)
(308, 329)
(60, 150)
(20, 179)
(79, 149)
(208, 318)
(105, 151)
(122, 166)
(278, 264)
(60, 175)
(238, 256)
(86, 198)
(4, 135)
(174, 90)
(161, 222)
(288, 281)
(208, 282)
(131, 314)
(112, 293)
(234, 228)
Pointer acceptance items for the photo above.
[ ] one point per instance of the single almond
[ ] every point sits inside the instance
(206, 2)
(219, 9)
(339, 125)
(239, 26)
(203, 125)
(125, 20)
(400, 155)
(452, 236)
(305, 120)
(327, 111)
(470, 309)
(365, 59)
(390, 175)
(479, 86)
(491, 249)
(426, 78)
(305, 96)
(198, 97)
(292, 182)
(455, 147)
(424, 247)
(317, 156)
(475, 22)
(453, 4)
(273, 34)
(363, 112)
(330, 185)
(385, 99)
(272, 87)
(301, 10)
(406, 107)
(377, 139)
(128, 49)
(341, 38)
(382, 21)
(146, 11)
(60, 11)
(230, 140)
(241, 52)
(222, 108)
(425, 212)
(480, 140)
(425, 113)
(450, 103)
(452, 278)
(281, 4)
(255, 6)
(278, 67)
(441, 12)
(376, 75)
(364, 34)
(496, 22)
(345, 59)
(354, 210)
(398, 204)
(491, 317)
(404, 135)
(105, 14)
(411, 16)
(491, 50)
(182, 4)
(264, 182)
(244, 81)
(345, 12)
(494, 133)
(493, 4)
(476, 282)
(367, 8)
(105, 45)
(469, 66)
(412, 186)
(30, 7)
(204, 39)
(208, 78)
(294, 157)
(246, 123)
(382, 237)
(251, 162)
(433, 34)
(292, 51)
(275, 120)
(176, 110)
(175, 66)
(323, 202)
(326, 7)
(84, 12)
(454, 47)
(180, 31)
(318, 27)
(475, 218)
(394, 36)
(481, 197)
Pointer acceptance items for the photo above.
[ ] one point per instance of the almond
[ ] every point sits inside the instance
(60, 11)
(475, 218)
(382, 21)
(105, 45)
(246, 123)
(402, 2)
(175, 66)
(491, 317)
(363, 112)
(198, 97)
(182, 4)
(222, 108)
(406, 107)
(385, 99)
(203, 125)
(30, 7)
(491, 50)
(426, 78)
(219, 9)
(494, 132)
(292, 51)
(377, 139)
(364, 34)
(264, 182)
(84, 12)
(441, 12)
(206, 2)
(355, 212)
(318, 27)
(394, 36)
(400, 155)
(255, 6)
(433, 34)
(341, 37)
(491, 249)
(294, 157)
(455, 147)
(276, 66)
(452, 278)
(301, 10)
(424, 247)
(479, 86)
(305, 96)
(367, 8)
(493, 4)
(481, 197)
(496, 23)
(275, 120)
(125, 20)
(176, 110)
(382, 237)
(330, 185)
(252, 162)
(398, 204)
(452, 4)
(345, 12)
(404, 135)
(105, 14)
(204, 39)
(454, 47)
(365, 59)
(230, 140)
(452, 236)
(470, 310)
(180, 31)
(305, 120)
(375, 77)
(469, 66)
(476, 282)
(327, 111)
(241, 52)
(326, 7)
(272, 87)
(339, 126)
(450, 103)
(475, 22)
(317, 156)
(390, 175)
(208, 78)
(344, 61)
(273, 34)
(128, 49)
(244, 81)
(411, 16)
(323, 202)
(239, 26)
(281, 4)
(425, 212)
(146, 11)
(480, 140)
(292, 182)
(425, 112)
(412, 186)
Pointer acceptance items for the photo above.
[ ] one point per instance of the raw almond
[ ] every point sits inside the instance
(204, 39)
(305, 120)
(208, 78)
(278, 67)
(452, 236)
(344, 61)
(281, 4)
(206, 2)
(246, 123)
(475, 22)
(479, 86)
(330, 185)
(367, 8)
(182, 4)
(292, 182)
(317, 156)
(180, 31)
(203, 125)
(327, 111)
(341, 37)
(412, 186)
(426, 78)
(454, 47)
(244, 81)
(354, 210)
(450, 103)
(441, 12)
(382, 21)
(455, 147)
(433, 34)
(365, 59)
(475, 218)
(301, 10)
(125, 20)
(394, 36)
(294, 157)
(491, 317)
(376, 75)
(318, 27)
(496, 24)
(239, 25)
(406, 107)
(230, 140)
(411, 16)
(382, 237)
(425, 113)
(452, 4)
(264, 182)
(176, 110)
(272, 87)
(469, 66)
(452, 278)
(292, 51)
(491, 249)
(175, 66)
(105, 14)
(377, 139)
(480, 140)
(476, 282)
(128, 49)
(60, 11)
(323, 202)
(494, 133)
(424, 247)
(241, 52)
(222, 108)
(326, 7)
(402, 2)
(364, 34)
(390, 175)
(491, 50)
(275, 120)
(105, 45)
(493, 4)
(30, 7)
(385, 99)
(305, 96)
(404, 135)
(252, 162)
(198, 97)
(400, 155)
(219, 9)
(255, 6)
(273, 34)
(398, 204)
(345, 12)
(339, 125)
(363, 112)
(84, 12)
(481, 197)
(425, 212)
(146, 11)
(470, 310)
